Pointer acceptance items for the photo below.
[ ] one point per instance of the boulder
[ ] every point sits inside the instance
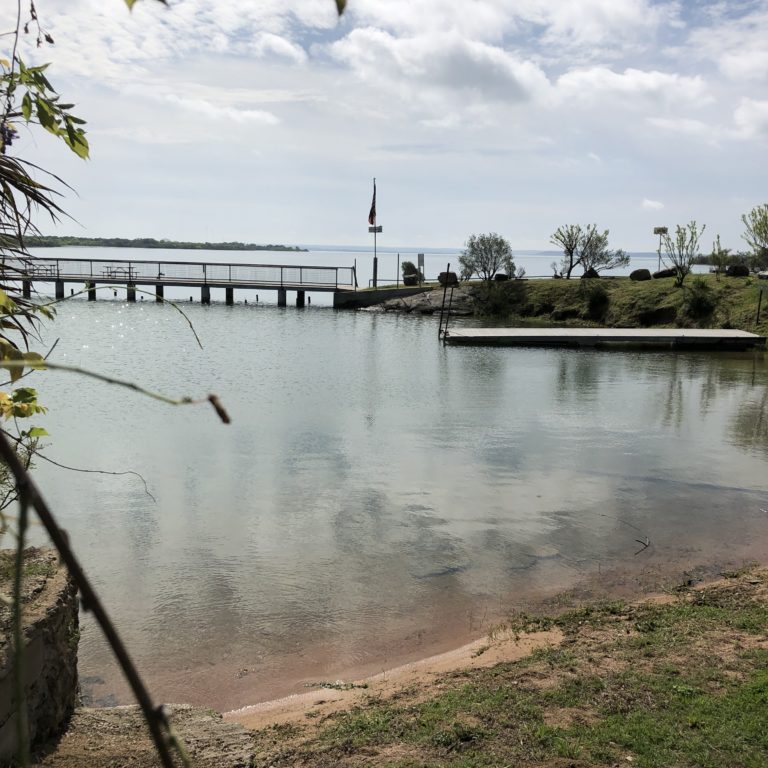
(590, 274)
(737, 270)
(664, 273)
(448, 278)
(640, 274)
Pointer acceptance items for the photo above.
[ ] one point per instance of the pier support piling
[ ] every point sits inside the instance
(131, 292)
(59, 289)
(281, 297)
(205, 294)
(159, 292)
(26, 289)
(300, 298)
(229, 296)
(91, 288)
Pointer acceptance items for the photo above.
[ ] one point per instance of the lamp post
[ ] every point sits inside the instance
(660, 231)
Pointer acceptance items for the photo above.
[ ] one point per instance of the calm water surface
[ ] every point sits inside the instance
(377, 497)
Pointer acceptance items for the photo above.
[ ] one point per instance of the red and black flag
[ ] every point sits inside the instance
(372, 214)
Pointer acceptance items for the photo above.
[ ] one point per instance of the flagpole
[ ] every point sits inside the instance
(375, 229)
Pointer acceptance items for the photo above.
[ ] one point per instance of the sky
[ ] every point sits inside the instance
(266, 120)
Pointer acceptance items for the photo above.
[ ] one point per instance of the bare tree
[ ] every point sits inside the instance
(596, 255)
(485, 255)
(568, 237)
(683, 250)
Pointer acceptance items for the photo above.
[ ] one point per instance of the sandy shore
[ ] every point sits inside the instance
(321, 701)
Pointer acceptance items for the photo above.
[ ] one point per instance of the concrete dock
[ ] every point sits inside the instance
(653, 338)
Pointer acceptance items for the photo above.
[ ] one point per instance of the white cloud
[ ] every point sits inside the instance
(221, 113)
(652, 205)
(434, 71)
(733, 40)
(632, 86)
(686, 127)
(603, 21)
(751, 118)
(266, 44)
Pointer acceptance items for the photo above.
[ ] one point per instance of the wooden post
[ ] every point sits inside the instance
(26, 289)
(159, 292)
(59, 289)
(131, 291)
(229, 294)
(91, 288)
(300, 298)
(205, 294)
(281, 297)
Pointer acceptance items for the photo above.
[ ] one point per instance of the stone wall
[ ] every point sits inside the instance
(50, 657)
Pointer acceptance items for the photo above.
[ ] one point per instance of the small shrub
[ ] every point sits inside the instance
(700, 301)
(597, 301)
(409, 268)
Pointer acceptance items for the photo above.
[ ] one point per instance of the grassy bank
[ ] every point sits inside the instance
(703, 302)
(678, 682)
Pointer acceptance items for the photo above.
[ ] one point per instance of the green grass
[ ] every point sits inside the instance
(621, 302)
(652, 685)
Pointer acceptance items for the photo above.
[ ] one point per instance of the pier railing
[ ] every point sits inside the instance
(183, 273)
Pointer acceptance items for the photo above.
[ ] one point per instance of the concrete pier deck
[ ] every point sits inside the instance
(653, 338)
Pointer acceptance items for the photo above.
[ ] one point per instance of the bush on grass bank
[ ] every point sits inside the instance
(622, 303)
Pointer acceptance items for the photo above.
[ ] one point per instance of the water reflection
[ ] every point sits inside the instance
(379, 495)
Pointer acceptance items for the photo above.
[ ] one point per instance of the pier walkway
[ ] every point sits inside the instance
(181, 274)
(654, 338)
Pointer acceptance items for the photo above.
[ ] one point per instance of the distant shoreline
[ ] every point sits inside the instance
(44, 241)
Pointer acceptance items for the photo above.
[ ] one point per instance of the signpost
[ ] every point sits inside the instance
(660, 231)
(421, 267)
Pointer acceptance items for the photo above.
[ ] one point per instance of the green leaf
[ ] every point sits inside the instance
(26, 106)
(25, 395)
(340, 6)
(16, 371)
(34, 360)
(46, 116)
(130, 3)
(6, 302)
(37, 432)
(77, 142)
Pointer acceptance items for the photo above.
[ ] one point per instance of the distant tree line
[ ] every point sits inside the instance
(45, 241)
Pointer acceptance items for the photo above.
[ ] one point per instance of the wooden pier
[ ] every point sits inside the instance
(652, 338)
(180, 274)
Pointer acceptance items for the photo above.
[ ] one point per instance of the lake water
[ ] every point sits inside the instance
(377, 497)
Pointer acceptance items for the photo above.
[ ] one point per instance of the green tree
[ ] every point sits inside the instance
(720, 257)
(681, 252)
(486, 256)
(756, 233)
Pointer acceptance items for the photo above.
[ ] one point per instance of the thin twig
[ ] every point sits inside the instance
(22, 724)
(95, 471)
(212, 399)
(138, 290)
(155, 716)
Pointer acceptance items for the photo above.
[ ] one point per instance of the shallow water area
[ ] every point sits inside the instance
(378, 497)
